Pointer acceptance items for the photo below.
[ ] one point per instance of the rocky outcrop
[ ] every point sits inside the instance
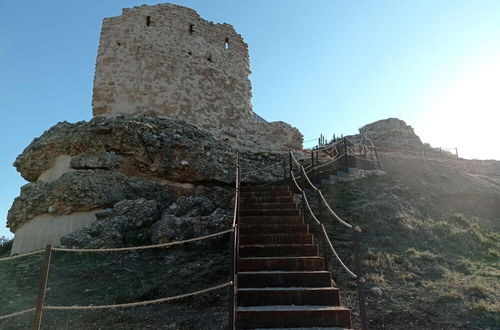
(79, 191)
(148, 147)
(77, 170)
(126, 224)
(392, 132)
(141, 221)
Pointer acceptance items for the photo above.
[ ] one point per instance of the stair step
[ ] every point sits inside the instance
(302, 328)
(276, 239)
(288, 296)
(280, 263)
(284, 279)
(265, 194)
(279, 250)
(268, 199)
(283, 205)
(274, 229)
(268, 212)
(292, 316)
(271, 220)
(265, 188)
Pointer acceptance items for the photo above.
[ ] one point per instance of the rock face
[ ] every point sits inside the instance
(79, 191)
(148, 147)
(126, 224)
(77, 170)
(391, 131)
(167, 61)
(141, 221)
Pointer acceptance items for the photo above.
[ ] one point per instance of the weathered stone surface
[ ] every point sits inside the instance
(165, 60)
(82, 190)
(126, 224)
(173, 228)
(151, 147)
(391, 130)
(105, 161)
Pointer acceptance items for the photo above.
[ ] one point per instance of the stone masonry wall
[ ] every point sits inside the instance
(166, 61)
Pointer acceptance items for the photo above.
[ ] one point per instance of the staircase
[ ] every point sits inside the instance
(282, 281)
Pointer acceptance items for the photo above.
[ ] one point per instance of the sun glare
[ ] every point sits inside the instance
(466, 114)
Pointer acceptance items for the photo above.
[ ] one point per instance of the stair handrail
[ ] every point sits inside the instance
(233, 247)
(356, 230)
(304, 196)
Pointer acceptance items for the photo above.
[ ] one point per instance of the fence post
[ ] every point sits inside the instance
(290, 166)
(232, 288)
(312, 161)
(360, 279)
(44, 278)
(284, 170)
(456, 152)
(345, 155)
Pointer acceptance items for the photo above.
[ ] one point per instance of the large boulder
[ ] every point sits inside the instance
(391, 131)
(126, 224)
(82, 190)
(156, 148)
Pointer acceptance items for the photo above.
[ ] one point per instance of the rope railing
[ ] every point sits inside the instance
(306, 202)
(139, 303)
(358, 275)
(7, 316)
(40, 307)
(17, 256)
(144, 247)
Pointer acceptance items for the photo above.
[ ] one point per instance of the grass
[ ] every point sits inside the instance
(425, 268)
(123, 277)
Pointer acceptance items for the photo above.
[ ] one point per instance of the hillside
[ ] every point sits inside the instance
(431, 234)
(431, 241)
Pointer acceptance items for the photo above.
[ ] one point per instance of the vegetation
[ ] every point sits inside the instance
(121, 277)
(425, 268)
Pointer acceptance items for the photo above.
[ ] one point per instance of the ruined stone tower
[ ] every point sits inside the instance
(167, 61)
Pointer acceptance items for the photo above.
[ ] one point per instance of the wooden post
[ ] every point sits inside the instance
(232, 274)
(360, 279)
(345, 156)
(284, 170)
(456, 152)
(44, 278)
(290, 166)
(312, 162)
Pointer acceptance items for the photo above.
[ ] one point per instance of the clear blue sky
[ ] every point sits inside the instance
(323, 66)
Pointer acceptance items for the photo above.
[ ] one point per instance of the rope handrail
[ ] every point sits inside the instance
(307, 179)
(336, 254)
(309, 207)
(3, 317)
(330, 161)
(21, 255)
(143, 247)
(330, 145)
(306, 201)
(332, 212)
(139, 303)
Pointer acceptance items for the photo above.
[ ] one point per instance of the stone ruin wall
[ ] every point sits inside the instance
(167, 61)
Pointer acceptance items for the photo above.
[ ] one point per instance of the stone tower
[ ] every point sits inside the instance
(167, 61)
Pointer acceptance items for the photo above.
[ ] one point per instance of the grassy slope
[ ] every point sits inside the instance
(86, 279)
(432, 247)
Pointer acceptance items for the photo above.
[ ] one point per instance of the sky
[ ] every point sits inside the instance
(323, 66)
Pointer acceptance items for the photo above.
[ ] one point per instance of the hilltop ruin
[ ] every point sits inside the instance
(167, 61)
